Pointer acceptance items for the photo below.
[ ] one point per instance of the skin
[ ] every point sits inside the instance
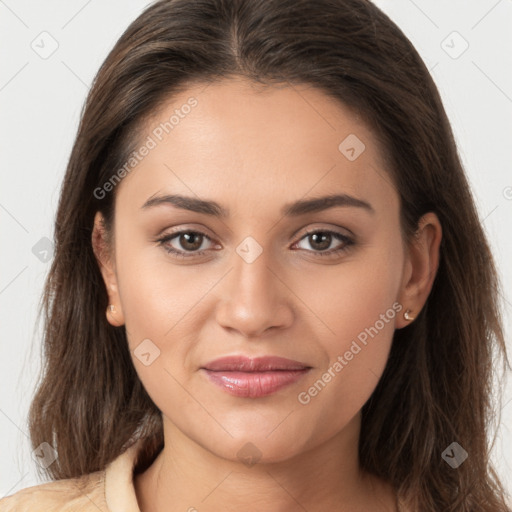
(253, 151)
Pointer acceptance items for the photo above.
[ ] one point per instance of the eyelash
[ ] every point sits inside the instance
(348, 242)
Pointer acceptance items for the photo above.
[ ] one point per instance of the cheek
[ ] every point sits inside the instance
(163, 310)
(158, 305)
(155, 293)
(355, 295)
(358, 305)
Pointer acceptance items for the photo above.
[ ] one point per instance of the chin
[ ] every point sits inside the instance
(251, 449)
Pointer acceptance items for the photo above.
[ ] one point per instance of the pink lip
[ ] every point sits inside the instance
(252, 378)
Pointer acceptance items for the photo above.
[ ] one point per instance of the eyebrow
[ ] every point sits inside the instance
(293, 209)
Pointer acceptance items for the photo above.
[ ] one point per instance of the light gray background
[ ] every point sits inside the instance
(41, 100)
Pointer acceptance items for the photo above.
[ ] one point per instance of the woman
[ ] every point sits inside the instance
(271, 290)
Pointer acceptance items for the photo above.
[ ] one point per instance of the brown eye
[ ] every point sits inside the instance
(183, 242)
(322, 239)
(190, 241)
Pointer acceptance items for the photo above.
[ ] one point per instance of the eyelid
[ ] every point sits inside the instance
(319, 226)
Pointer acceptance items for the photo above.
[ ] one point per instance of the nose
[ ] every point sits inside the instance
(255, 299)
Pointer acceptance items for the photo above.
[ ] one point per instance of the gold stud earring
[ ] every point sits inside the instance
(407, 315)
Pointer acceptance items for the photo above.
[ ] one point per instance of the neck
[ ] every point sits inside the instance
(188, 477)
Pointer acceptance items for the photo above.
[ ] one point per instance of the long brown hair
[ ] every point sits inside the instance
(437, 386)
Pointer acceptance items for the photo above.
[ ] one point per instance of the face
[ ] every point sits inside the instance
(254, 276)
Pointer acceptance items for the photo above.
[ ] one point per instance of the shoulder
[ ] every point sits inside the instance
(109, 490)
(81, 494)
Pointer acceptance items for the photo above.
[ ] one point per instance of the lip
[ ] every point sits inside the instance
(254, 377)
(253, 364)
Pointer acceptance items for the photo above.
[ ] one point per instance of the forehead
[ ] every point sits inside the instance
(242, 143)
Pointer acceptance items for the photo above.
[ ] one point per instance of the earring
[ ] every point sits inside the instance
(407, 315)
(112, 308)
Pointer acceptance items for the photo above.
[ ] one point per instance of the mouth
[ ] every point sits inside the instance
(254, 377)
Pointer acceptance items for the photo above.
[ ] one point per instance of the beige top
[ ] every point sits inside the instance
(110, 490)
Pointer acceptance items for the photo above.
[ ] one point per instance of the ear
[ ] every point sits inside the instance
(420, 267)
(106, 262)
